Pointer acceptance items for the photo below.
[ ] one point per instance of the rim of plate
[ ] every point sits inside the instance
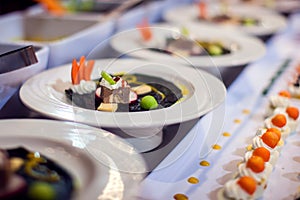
(209, 92)
(129, 43)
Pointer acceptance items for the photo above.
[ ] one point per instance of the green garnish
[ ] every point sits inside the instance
(184, 31)
(108, 78)
(41, 191)
(215, 50)
(149, 102)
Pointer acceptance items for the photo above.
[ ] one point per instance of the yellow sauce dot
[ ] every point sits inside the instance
(204, 163)
(226, 134)
(193, 180)
(246, 111)
(249, 147)
(180, 197)
(216, 147)
(237, 121)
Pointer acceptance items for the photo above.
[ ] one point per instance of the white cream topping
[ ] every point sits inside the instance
(273, 156)
(285, 130)
(118, 84)
(295, 91)
(233, 190)
(259, 177)
(279, 101)
(291, 123)
(84, 87)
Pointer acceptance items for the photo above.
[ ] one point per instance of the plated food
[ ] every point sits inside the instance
(252, 20)
(200, 45)
(30, 175)
(251, 178)
(73, 162)
(45, 93)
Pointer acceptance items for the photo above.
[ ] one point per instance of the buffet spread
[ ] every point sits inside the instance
(170, 100)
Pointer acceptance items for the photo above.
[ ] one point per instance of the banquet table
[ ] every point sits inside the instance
(185, 145)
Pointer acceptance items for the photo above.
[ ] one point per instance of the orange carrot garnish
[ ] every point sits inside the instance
(293, 112)
(284, 93)
(202, 7)
(88, 70)
(81, 68)
(262, 152)
(248, 184)
(145, 30)
(256, 164)
(279, 120)
(75, 72)
(275, 130)
(270, 138)
(53, 6)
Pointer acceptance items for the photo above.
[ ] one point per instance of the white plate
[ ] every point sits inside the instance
(103, 164)
(130, 43)
(205, 93)
(271, 22)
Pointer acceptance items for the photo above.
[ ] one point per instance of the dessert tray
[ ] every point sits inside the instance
(130, 43)
(103, 165)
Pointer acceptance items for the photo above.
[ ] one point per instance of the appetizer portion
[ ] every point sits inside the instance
(121, 92)
(28, 175)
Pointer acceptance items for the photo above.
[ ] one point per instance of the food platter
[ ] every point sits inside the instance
(241, 46)
(103, 164)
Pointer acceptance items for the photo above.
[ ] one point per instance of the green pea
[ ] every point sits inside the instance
(108, 78)
(41, 191)
(249, 22)
(215, 50)
(149, 102)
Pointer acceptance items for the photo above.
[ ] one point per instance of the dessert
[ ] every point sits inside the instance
(122, 92)
(30, 175)
(279, 121)
(243, 187)
(280, 100)
(258, 169)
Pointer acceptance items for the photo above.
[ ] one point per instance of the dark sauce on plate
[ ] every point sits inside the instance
(165, 93)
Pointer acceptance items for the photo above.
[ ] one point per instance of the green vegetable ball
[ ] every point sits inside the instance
(41, 191)
(215, 50)
(149, 102)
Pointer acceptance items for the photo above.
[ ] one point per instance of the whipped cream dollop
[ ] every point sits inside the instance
(84, 87)
(285, 130)
(274, 155)
(276, 101)
(291, 123)
(295, 91)
(233, 190)
(259, 177)
(258, 142)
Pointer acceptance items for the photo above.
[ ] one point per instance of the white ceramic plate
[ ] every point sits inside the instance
(130, 43)
(271, 22)
(205, 93)
(104, 165)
